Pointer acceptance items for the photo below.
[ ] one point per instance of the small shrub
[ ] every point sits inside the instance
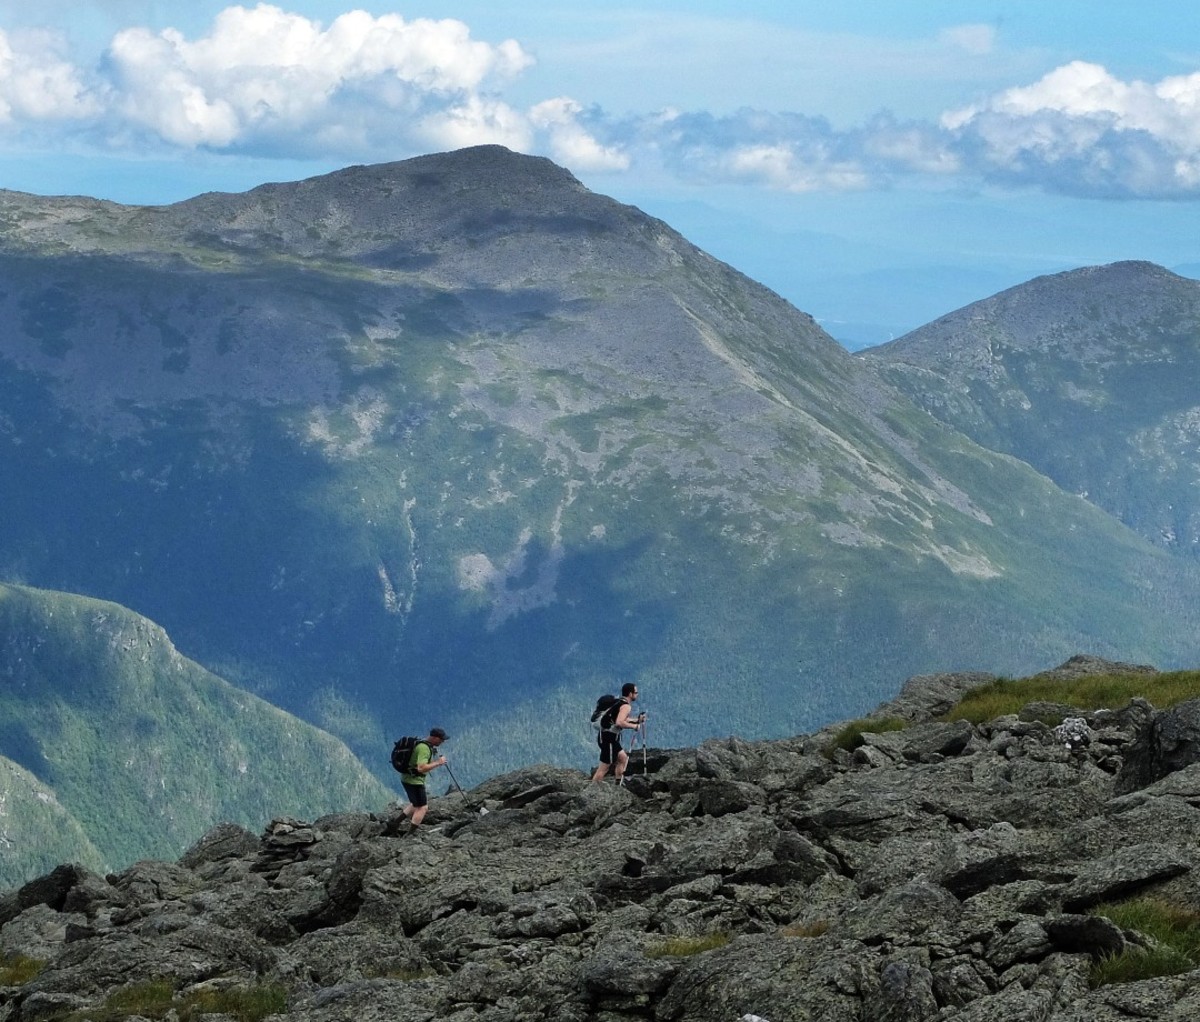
(813, 929)
(850, 736)
(1173, 933)
(681, 947)
(16, 970)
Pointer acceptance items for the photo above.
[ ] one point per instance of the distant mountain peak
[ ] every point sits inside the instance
(492, 168)
(1108, 279)
(1088, 375)
(420, 205)
(1056, 311)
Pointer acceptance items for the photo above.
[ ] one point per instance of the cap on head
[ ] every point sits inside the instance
(437, 732)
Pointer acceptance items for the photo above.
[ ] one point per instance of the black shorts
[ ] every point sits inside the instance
(610, 746)
(416, 794)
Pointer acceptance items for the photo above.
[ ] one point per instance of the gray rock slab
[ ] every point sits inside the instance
(1123, 874)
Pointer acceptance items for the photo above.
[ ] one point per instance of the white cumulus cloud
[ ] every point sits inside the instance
(477, 121)
(1082, 130)
(38, 83)
(569, 140)
(263, 76)
(265, 81)
(790, 152)
(789, 169)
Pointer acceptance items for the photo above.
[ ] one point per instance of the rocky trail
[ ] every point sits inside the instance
(940, 872)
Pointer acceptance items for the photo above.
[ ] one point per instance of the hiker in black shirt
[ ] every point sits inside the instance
(616, 719)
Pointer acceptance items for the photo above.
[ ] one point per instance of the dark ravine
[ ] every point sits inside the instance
(940, 872)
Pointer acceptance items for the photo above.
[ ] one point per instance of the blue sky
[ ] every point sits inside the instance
(878, 163)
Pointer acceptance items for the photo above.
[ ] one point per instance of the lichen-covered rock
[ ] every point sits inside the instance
(1170, 743)
(223, 842)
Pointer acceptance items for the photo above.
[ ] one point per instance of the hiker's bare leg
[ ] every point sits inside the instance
(622, 763)
(415, 814)
(599, 773)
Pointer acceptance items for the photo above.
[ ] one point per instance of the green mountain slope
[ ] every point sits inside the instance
(1089, 376)
(457, 441)
(36, 832)
(125, 749)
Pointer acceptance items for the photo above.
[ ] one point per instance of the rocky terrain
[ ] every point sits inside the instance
(943, 871)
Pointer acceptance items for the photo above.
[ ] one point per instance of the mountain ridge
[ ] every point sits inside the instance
(1082, 374)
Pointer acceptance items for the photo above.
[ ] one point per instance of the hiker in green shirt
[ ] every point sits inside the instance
(413, 780)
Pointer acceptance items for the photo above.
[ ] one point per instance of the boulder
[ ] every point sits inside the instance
(1171, 743)
(924, 743)
(224, 842)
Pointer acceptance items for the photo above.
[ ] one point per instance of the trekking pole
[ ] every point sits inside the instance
(644, 743)
(482, 809)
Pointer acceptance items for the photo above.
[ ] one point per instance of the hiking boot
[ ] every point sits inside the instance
(396, 826)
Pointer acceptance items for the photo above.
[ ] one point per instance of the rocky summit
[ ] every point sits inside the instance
(945, 870)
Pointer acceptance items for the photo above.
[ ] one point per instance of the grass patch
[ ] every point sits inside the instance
(16, 970)
(1173, 934)
(850, 736)
(1141, 963)
(1093, 692)
(246, 1004)
(150, 999)
(155, 999)
(682, 947)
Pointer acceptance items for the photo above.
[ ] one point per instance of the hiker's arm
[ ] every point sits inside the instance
(623, 720)
(431, 764)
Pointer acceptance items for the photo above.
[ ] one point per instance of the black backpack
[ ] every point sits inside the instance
(602, 715)
(402, 752)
